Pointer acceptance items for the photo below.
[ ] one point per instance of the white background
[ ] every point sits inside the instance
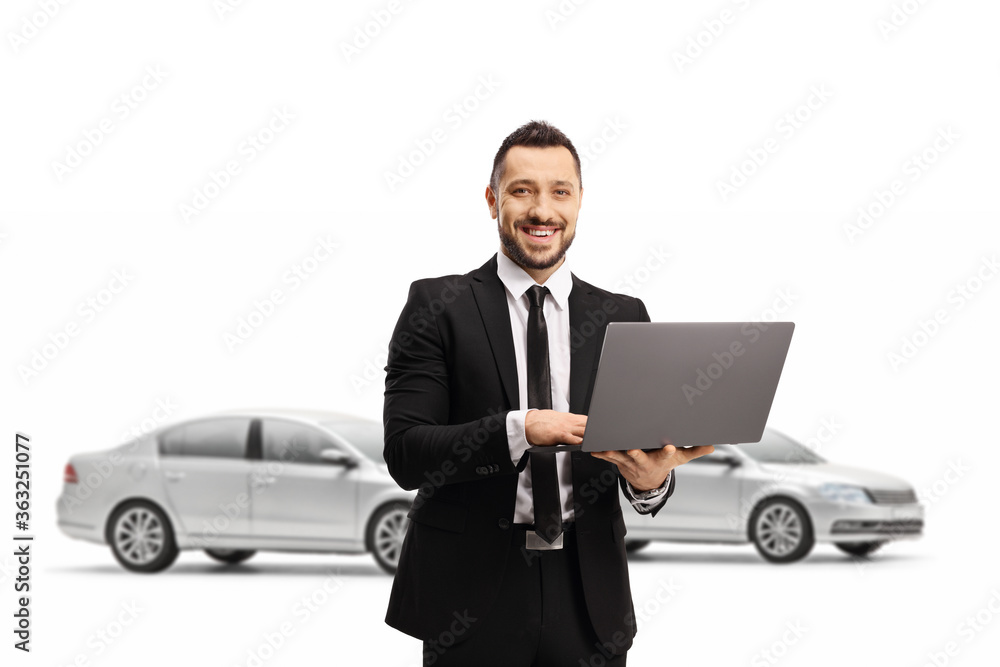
(661, 135)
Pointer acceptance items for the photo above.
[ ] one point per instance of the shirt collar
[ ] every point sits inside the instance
(517, 281)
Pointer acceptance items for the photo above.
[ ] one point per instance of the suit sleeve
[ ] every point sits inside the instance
(653, 507)
(421, 446)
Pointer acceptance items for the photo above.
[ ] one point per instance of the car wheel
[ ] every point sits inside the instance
(230, 556)
(385, 534)
(141, 537)
(859, 548)
(781, 530)
(631, 546)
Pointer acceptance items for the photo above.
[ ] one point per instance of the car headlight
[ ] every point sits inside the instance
(844, 493)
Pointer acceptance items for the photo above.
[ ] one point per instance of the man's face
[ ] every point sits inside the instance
(536, 205)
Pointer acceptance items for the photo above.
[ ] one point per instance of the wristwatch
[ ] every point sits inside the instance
(652, 493)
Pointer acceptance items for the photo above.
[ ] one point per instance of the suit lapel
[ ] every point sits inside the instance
(584, 334)
(584, 338)
(491, 299)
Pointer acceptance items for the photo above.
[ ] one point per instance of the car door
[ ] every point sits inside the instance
(705, 500)
(206, 474)
(298, 497)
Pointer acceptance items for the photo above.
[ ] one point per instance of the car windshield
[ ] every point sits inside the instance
(777, 448)
(365, 436)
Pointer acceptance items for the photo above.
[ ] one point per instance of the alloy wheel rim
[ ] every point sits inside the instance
(779, 529)
(139, 536)
(389, 535)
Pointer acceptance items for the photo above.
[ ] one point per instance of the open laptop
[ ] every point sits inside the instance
(686, 383)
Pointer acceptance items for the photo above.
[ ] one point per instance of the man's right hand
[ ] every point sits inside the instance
(549, 427)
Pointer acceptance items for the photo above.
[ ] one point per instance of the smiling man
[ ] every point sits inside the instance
(514, 557)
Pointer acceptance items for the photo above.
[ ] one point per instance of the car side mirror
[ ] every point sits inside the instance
(337, 457)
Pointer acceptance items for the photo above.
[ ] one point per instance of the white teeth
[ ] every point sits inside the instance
(541, 232)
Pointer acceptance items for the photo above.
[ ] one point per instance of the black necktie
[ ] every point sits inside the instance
(544, 480)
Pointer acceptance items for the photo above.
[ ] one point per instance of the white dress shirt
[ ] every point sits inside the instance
(555, 309)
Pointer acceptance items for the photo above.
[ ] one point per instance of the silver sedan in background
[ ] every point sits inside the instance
(783, 497)
(236, 483)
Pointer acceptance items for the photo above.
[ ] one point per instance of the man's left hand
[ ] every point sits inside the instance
(648, 471)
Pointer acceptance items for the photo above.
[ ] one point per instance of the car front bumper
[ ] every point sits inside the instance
(848, 522)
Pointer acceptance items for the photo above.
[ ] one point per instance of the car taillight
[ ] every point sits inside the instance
(69, 475)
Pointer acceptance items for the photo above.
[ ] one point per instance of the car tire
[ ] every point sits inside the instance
(230, 556)
(386, 530)
(631, 546)
(859, 548)
(141, 537)
(781, 530)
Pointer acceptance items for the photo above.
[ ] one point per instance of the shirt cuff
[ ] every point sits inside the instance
(654, 495)
(517, 441)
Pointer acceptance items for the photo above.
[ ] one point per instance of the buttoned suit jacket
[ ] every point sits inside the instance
(451, 379)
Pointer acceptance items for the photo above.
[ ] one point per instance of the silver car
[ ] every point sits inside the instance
(236, 483)
(784, 498)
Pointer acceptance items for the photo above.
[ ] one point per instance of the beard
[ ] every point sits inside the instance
(533, 258)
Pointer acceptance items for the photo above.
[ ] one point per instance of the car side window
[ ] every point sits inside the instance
(292, 442)
(218, 438)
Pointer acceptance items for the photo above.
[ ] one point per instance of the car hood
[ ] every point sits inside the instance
(832, 472)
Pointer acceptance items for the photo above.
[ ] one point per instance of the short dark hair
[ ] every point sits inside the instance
(536, 134)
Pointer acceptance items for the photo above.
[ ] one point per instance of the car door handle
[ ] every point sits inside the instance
(174, 475)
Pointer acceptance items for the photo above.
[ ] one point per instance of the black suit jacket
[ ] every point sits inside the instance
(451, 380)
